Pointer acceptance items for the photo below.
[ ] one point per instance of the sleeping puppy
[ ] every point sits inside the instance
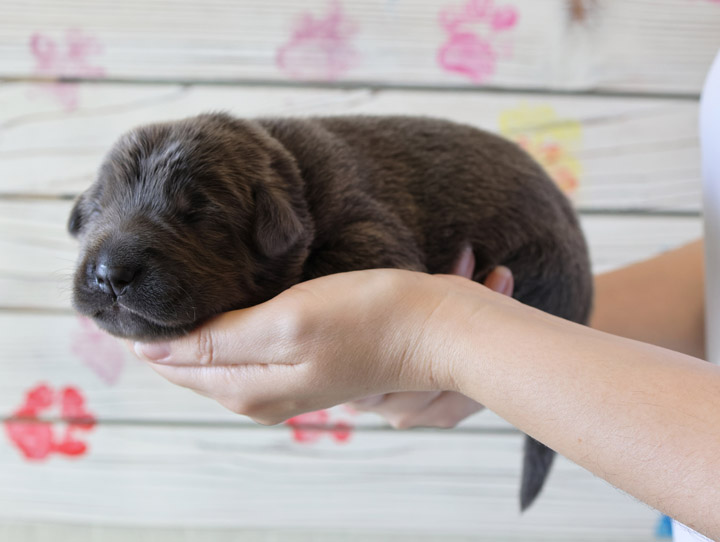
(192, 218)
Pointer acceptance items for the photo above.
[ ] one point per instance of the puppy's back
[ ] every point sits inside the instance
(450, 184)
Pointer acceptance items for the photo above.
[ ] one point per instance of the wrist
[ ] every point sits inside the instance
(497, 337)
(466, 329)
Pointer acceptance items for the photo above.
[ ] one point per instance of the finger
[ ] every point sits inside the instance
(257, 335)
(238, 387)
(501, 280)
(367, 403)
(446, 411)
(208, 381)
(400, 407)
(465, 264)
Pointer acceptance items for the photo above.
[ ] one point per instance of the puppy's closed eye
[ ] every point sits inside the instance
(191, 207)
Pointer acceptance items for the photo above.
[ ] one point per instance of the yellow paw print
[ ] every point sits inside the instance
(550, 139)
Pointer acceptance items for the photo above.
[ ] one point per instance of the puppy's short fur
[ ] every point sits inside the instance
(192, 218)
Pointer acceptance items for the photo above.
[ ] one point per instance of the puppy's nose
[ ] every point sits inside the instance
(114, 279)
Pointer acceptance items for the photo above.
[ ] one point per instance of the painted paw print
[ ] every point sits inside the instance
(99, 351)
(553, 141)
(71, 59)
(475, 38)
(36, 439)
(559, 164)
(312, 426)
(319, 48)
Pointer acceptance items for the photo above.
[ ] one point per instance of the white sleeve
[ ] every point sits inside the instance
(686, 534)
(710, 139)
(710, 144)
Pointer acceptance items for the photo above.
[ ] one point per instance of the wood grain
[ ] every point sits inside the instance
(621, 153)
(39, 256)
(464, 485)
(639, 45)
(44, 341)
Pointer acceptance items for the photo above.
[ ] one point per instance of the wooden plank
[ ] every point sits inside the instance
(39, 256)
(56, 532)
(617, 153)
(663, 45)
(616, 241)
(450, 484)
(73, 352)
(64, 351)
(47, 343)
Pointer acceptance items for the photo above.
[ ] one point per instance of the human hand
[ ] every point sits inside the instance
(325, 342)
(444, 409)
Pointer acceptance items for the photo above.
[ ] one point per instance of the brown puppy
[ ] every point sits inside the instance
(192, 218)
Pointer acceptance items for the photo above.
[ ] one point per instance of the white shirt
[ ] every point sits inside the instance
(686, 534)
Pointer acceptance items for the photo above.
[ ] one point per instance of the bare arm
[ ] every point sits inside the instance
(642, 417)
(660, 301)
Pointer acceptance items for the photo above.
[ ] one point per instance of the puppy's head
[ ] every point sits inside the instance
(187, 220)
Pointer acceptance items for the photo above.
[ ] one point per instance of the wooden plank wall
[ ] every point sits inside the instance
(604, 93)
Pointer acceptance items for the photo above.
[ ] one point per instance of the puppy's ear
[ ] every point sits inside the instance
(277, 224)
(75, 222)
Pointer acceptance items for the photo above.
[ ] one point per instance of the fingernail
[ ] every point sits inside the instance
(152, 351)
(506, 282)
(501, 281)
(465, 265)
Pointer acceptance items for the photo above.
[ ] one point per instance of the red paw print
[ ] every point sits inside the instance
(320, 48)
(72, 60)
(311, 427)
(99, 351)
(473, 45)
(37, 439)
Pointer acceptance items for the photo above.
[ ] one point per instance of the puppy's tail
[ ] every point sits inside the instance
(536, 467)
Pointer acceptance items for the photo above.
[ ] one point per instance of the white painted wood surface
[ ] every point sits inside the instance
(639, 45)
(626, 153)
(53, 532)
(420, 483)
(710, 137)
(49, 342)
(165, 464)
(38, 255)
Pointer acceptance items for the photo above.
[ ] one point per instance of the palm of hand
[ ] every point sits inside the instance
(443, 409)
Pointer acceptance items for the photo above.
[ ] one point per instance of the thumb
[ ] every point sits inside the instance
(246, 336)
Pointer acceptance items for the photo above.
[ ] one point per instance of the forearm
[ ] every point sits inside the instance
(659, 301)
(644, 418)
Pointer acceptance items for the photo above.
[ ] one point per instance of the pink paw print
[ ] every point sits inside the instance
(71, 59)
(36, 439)
(312, 426)
(319, 48)
(99, 351)
(474, 42)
